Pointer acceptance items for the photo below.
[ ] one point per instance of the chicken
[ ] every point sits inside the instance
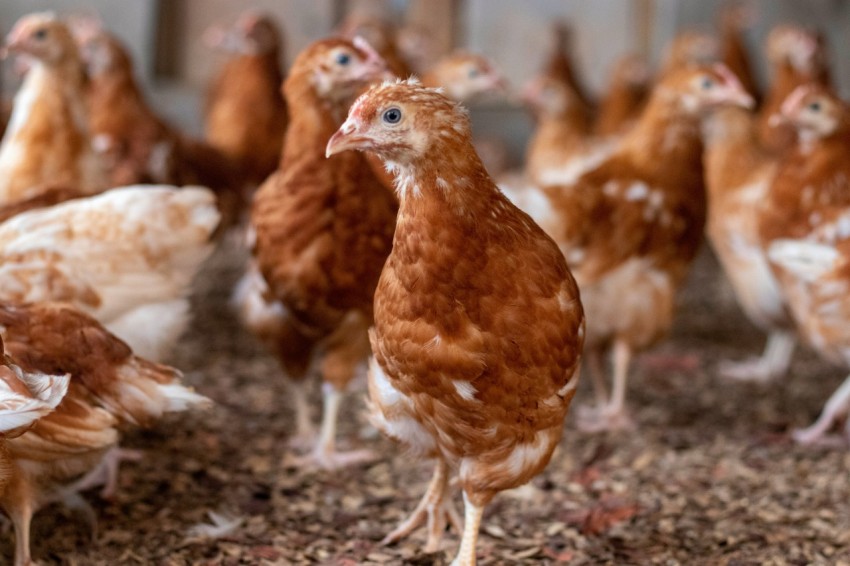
(381, 36)
(562, 128)
(137, 145)
(464, 76)
(631, 226)
(47, 141)
(478, 323)
(805, 228)
(126, 257)
(796, 58)
(625, 97)
(559, 66)
(323, 230)
(246, 115)
(24, 399)
(738, 172)
(134, 143)
(109, 386)
(734, 21)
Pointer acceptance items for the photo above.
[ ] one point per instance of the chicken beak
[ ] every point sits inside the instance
(344, 139)
(742, 98)
(733, 91)
(10, 47)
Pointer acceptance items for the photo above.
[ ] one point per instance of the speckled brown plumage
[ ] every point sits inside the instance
(630, 226)
(246, 115)
(805, 227)
(47, 141)
(323, 229)
(478, 323)
(140, 147)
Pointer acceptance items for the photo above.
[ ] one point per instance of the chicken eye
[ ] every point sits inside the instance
(392, 116)
(707, 83)
(473, 72)
(814, 106)
(343, 59)
(40, 34)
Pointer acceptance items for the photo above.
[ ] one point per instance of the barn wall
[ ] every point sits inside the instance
(164, 36)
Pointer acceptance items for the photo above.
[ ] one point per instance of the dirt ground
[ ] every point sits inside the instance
(709, 476)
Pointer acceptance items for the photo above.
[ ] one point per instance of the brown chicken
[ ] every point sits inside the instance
(47, 141)
(625, 98)
(738, 172)
(559, 66)
(109, 386)
(478, 323)
(246, 117)
(381, 35)
(805, 228)
(136, 144)
(631, 226)
(562, 127)
(323, 231)
(24, 399)
(464, 76)
(796, 57)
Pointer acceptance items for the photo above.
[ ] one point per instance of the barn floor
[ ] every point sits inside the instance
(709, 477)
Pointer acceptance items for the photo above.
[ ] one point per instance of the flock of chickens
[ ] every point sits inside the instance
(475, 313)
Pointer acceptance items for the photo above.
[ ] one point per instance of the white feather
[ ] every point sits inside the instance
(131, 248)
(805, 259)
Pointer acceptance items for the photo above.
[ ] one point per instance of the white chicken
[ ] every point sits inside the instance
(127, 257)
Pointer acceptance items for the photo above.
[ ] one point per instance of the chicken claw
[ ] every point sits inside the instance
(333, 460)
(106, 473)
(434, 510)
(608, 417)
(773, 362)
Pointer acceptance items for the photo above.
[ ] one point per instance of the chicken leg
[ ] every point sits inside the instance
(106, 472)
(472, 522)
(18, 504)
(433, 509)
(325, 454)
(838, 404)
(305, 433)
(773, 362)
(611, 415)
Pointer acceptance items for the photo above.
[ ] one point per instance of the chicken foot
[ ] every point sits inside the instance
(837, 405)
(773, 362)
(305, 432)
(433, 510)
(469, 540)
(325, 454)
(106, 472)
(612, 414)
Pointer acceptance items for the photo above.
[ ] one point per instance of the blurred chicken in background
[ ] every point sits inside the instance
(47, 142)
(245, 114)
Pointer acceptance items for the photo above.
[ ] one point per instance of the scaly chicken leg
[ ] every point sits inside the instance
(838, 404)
(305, 432)
(106, 473)
(472, 515)
(771, 364)
(345, 350)
(325, 454)
(434, 509)
(611, 415)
